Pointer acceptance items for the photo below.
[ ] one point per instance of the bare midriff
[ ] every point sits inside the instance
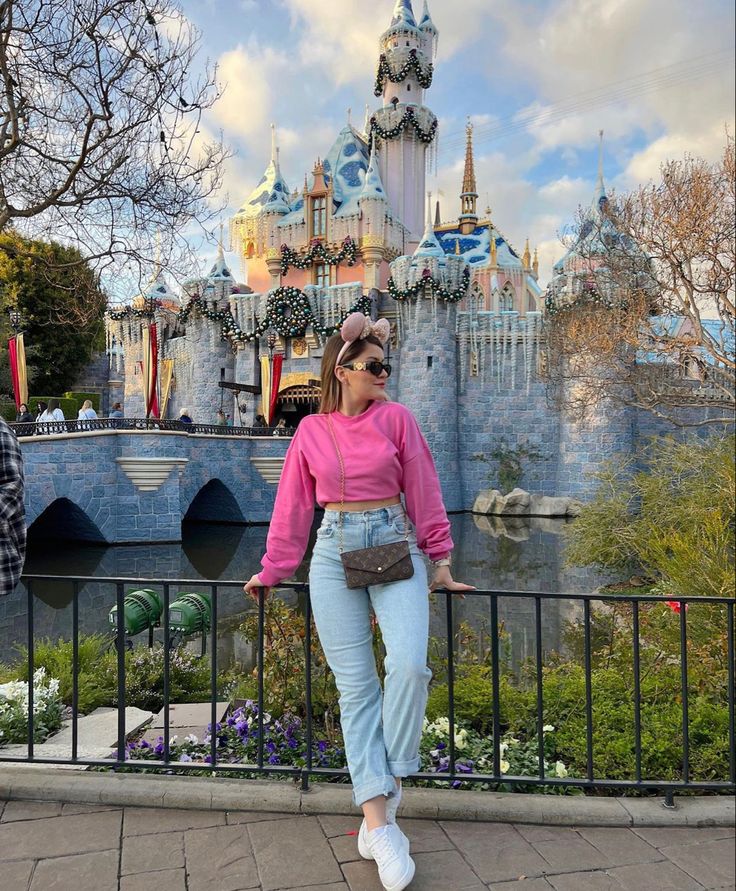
(363, 505)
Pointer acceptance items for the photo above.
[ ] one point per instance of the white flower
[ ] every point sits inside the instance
(548, 728)
(192, 739)
(560, 769)
(503, 748)
(505, 766)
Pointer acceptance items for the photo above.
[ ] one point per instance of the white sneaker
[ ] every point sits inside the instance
(363, 847)
(395, 866)
(392, 806)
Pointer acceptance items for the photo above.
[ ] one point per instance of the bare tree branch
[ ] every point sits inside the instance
(642, 312)
(100, 123)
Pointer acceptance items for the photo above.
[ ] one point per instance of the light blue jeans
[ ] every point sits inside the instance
(381, 732)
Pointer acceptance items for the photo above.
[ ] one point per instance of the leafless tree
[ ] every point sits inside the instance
(100, 136)
(643, 312)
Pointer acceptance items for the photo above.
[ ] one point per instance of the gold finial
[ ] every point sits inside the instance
(457, 245)
(535, 264)
(494, 250)
(527, 258)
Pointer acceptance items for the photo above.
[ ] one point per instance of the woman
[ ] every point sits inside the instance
(23, 416)
(356, 456)
(87, 412)
(53, 414)
(40, 409)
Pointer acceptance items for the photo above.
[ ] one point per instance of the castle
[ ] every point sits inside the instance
(466, 309)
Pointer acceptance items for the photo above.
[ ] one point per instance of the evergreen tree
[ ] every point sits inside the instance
(61, 307)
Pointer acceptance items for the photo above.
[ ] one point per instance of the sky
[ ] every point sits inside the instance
(538, 79)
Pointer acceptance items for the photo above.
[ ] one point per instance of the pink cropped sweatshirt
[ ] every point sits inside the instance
(384, 454)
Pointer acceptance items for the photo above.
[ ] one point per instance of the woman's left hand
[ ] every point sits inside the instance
(443, 579)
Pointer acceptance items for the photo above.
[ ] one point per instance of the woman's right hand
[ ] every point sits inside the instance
(252, 586)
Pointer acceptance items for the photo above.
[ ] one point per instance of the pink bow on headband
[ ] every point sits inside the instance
(358, 327)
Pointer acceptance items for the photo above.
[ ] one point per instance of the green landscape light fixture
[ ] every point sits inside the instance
(141, 610)
(191, 613)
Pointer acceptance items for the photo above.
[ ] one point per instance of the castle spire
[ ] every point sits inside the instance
(469, 195)
(527, 257)
(274, 150)
(437, 215)
(403, 14)
(600, 197)
(373, 187)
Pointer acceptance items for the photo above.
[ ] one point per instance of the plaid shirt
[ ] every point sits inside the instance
(12, 511)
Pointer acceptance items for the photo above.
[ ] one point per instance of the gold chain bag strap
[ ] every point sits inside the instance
(370, 566)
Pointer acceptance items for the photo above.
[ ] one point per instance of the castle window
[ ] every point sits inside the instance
(319, 216)
(506, 298)
(430, 359)
(408, 88)
(322, 275)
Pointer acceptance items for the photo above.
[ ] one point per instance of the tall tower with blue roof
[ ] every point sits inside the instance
(404, 128)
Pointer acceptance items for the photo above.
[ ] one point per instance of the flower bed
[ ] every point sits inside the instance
(47, 709)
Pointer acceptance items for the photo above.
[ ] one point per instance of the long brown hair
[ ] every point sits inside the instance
(330, 400)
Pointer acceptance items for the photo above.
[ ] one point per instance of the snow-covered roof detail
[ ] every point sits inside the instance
(373, 186)
(345, 168)
(429, 246)
(403, 14)
(426, 23)
(220, 271)
(475, 249)
(271, 195)
(296, 215)
(158, 289)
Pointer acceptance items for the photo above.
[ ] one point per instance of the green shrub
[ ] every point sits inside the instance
(672, 520)
(189, 675)
(79, 399)
(68, 406)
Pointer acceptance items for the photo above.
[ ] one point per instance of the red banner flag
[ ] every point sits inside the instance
(278, 362)
(13, 357)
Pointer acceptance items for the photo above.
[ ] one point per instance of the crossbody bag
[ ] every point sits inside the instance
(370, 566)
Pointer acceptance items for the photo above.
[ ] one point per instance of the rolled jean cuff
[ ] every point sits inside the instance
(404, 768)
(372, 789)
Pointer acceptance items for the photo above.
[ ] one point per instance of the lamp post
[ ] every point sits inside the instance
(15, 321)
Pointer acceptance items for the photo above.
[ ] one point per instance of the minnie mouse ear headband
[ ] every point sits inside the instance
(358, 327)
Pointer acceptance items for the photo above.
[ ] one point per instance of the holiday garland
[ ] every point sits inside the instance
(590, 297)
(426, 282)
(408, 119)
(130, 312)
(384, 72)
(287, 312)
(348, 251)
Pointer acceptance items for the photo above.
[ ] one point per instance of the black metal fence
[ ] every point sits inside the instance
(261, 767)
(47, 428)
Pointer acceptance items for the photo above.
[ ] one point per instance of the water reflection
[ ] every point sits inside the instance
(513, 554)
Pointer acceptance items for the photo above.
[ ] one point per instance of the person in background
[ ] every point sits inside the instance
(40, 409)
(54, 417)
(116, 411)
(87, 412)
(12, 511)
(280, 428)
(220, 419)
(185, 417)
(229, 420)
(23, 416)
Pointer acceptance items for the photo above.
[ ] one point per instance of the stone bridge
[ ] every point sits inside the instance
(120, 486)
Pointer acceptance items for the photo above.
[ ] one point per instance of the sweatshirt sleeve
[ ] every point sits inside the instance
(293, 512)
(423, 493)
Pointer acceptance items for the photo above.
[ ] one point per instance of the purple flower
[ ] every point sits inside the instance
(208, 759)
(184, 757)
(270, 746)
(441, 745)
(322, 745)
(274, 759)
(158, 748)
(456, 784)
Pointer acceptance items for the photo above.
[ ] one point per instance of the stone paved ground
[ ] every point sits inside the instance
(48, 846)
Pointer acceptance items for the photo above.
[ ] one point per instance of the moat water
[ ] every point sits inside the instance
(517, 554)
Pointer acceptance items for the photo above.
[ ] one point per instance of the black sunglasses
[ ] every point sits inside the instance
(375, 367)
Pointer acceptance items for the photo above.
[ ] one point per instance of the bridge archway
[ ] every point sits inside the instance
(214, 503)
(63, 520)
